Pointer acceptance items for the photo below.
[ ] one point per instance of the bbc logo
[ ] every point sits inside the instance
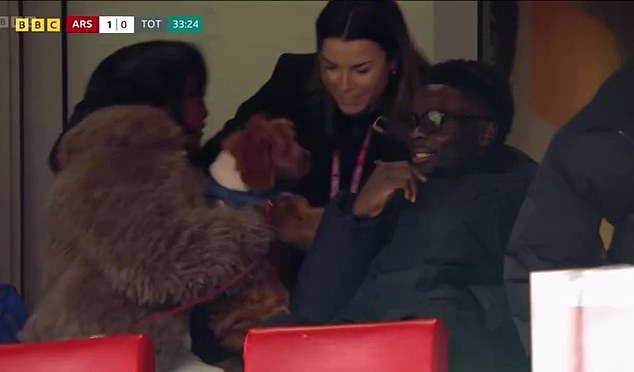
(32, 24)
(37, 24)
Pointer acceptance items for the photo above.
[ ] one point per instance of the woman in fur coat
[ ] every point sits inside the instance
(130, 234)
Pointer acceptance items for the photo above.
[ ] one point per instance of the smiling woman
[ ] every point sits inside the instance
(366, 67)
(355, 73)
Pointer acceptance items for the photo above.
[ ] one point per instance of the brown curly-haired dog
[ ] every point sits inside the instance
(258, 155)
(254, 159)
(130, 234)
(265, 151)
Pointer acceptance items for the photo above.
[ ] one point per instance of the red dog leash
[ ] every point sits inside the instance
(211, 295)
(268, 210)
(206, 298)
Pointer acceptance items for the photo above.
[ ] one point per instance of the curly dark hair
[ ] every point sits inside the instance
(482, 83)
(148, 73)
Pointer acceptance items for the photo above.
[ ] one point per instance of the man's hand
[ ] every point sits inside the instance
(384, 181)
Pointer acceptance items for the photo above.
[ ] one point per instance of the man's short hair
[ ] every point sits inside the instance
(482, 83)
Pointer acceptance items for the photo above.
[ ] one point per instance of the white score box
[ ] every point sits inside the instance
(116, 24)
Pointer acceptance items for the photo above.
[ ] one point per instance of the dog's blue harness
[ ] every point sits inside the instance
(214, 193)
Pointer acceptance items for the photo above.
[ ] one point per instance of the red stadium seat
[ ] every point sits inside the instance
(408, 346)
(125, 353)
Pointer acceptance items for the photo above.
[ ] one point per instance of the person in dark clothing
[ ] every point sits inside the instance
(425, 238)
(366, 67)
(587, 174)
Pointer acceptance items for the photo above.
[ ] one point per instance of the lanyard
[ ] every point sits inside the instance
(335, 175)
(211, 295)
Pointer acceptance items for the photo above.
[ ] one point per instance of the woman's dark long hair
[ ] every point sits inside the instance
(382, 22)
(151, 73)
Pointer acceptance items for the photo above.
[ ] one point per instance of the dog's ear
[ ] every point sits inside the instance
(253, 160)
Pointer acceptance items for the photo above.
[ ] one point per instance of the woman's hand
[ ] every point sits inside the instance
(384, 181)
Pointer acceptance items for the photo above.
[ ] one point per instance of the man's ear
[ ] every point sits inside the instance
(488, 133)
(253, 160)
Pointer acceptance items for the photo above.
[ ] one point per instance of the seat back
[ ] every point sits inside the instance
(407, 346)
(125, 353)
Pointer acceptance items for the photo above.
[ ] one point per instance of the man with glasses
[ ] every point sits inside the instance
(426, 238)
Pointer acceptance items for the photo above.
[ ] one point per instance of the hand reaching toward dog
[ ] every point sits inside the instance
(295, 220)
(380, 187)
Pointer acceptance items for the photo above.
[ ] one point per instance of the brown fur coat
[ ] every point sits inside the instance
(130, 233)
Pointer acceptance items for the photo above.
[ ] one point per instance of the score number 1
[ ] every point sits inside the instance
(116, 24)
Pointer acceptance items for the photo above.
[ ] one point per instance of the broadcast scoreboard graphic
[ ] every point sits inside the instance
(104, 24)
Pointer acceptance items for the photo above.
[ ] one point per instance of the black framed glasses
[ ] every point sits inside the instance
(432, 120)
